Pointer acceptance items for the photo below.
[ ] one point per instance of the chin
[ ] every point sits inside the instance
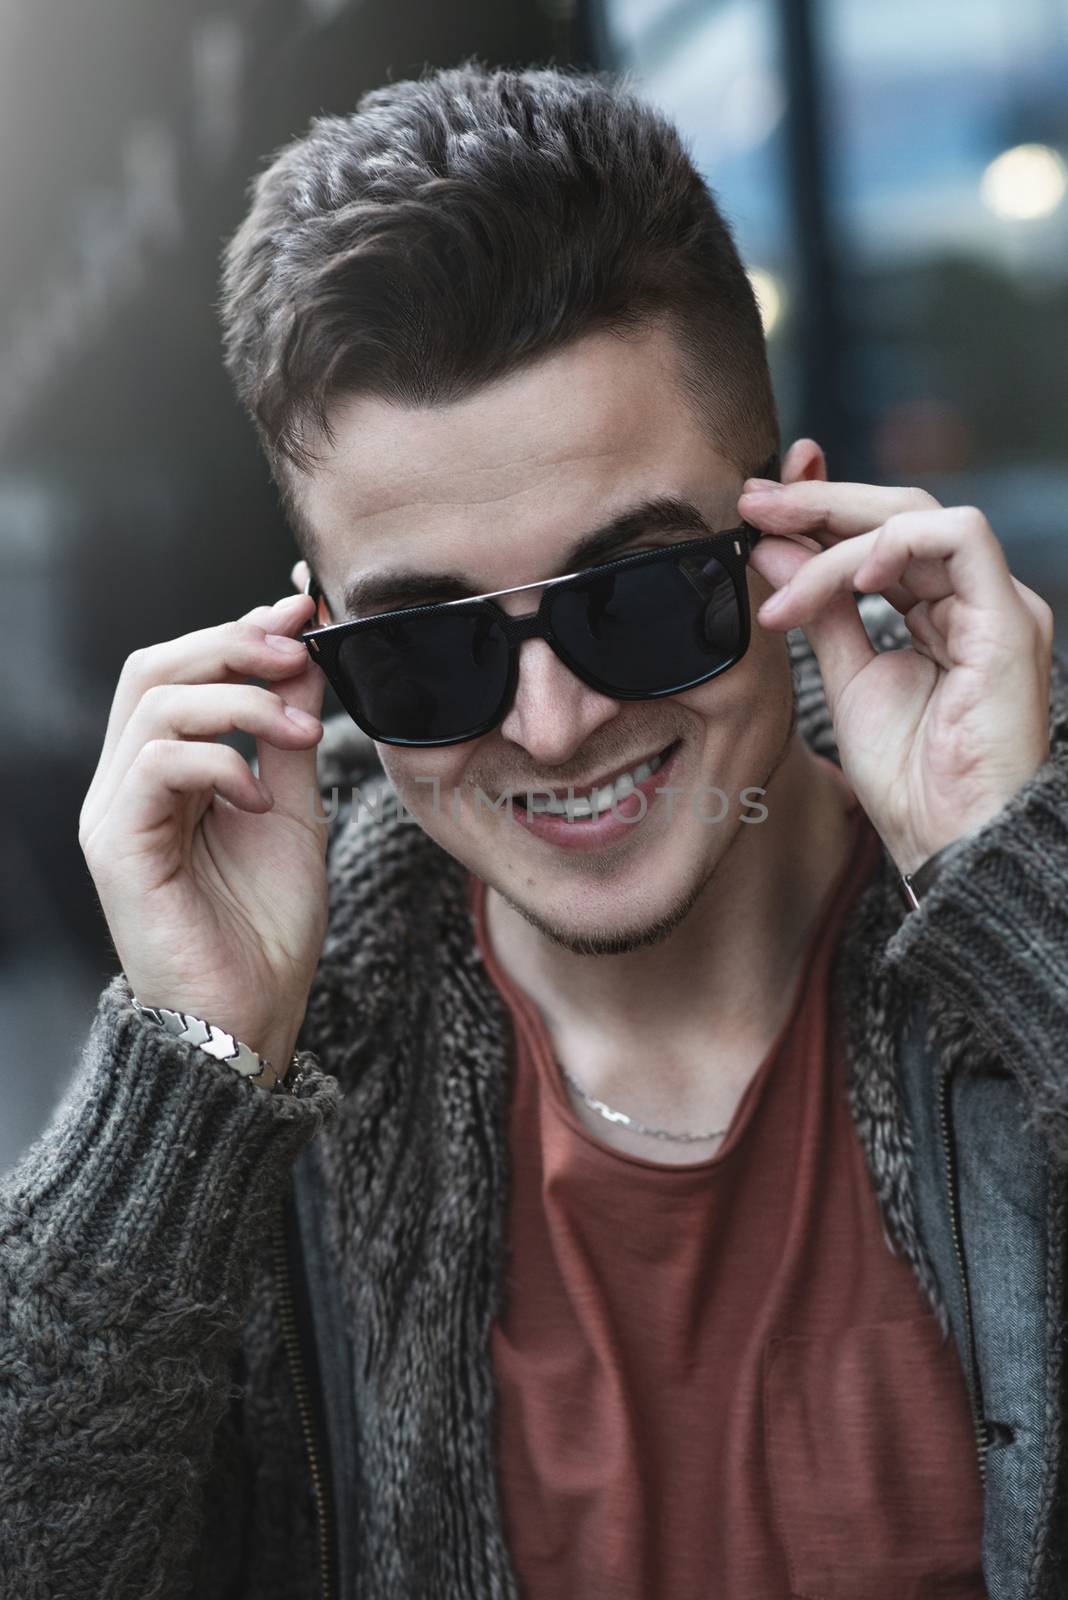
(609, 938)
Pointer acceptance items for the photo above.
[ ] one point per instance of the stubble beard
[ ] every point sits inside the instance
(616, 942)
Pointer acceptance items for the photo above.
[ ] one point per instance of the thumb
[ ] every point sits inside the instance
(291, 774)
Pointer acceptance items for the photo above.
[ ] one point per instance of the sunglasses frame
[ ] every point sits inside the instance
(732, 547)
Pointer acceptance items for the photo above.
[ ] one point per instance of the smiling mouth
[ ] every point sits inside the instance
(590, 801)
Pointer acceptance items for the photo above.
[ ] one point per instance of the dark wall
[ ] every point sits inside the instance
(134, 503)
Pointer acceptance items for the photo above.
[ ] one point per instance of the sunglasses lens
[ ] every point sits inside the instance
(424, 679)
(654, 628)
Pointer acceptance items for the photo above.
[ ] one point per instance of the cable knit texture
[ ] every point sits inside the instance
(150, 1443)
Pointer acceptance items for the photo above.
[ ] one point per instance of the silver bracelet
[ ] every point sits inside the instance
(222, 1046)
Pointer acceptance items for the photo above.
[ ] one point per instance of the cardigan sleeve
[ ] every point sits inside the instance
(129, 1237)
(991, 933)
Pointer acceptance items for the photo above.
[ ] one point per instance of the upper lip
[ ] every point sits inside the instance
(574, 790)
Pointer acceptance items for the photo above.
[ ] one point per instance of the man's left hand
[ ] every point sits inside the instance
(936, 738)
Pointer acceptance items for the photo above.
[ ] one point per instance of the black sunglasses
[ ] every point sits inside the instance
(637, 628)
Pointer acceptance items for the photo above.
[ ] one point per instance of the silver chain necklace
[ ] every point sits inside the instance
(629, 1122)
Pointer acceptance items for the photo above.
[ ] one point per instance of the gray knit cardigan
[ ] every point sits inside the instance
(150, 1441)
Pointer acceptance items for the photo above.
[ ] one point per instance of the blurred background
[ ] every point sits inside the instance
(895, 175)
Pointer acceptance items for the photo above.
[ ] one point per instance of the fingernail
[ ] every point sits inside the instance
(302, 718)
(775, 601)
(761, 485)
(290, 602)
(288, 646)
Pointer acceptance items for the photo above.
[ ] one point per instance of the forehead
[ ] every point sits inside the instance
(546, 453)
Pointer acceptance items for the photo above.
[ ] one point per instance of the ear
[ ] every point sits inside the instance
(300, 573)
(804, 460)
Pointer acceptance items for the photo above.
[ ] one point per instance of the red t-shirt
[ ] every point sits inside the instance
(715, 1380)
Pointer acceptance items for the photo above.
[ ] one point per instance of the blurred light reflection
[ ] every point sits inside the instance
(1024, 183)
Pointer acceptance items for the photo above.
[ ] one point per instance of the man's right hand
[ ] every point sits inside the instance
(214, 888)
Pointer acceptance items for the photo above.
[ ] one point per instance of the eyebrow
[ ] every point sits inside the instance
(393, 590)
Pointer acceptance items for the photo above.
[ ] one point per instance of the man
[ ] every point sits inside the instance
(681, 1208)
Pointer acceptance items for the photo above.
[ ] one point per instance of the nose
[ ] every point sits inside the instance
(554, 713)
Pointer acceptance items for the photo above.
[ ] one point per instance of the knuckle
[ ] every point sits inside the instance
(89, 835)
(971, 517)
(217, 755)
(153, 754)
(247, 633)
(229, 759)
(270, 703)
(136, 665)
(93, 857)
(156, 697)
(257, 696)
(248, 703)
(1046, 621)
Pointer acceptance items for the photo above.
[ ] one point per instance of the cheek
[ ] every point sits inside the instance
(747, 704)
(759, 590)
(424, 779)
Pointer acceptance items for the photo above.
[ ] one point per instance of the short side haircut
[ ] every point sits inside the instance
(458, 226)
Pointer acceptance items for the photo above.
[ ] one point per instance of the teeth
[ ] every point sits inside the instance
(586, 806)
(602, 799)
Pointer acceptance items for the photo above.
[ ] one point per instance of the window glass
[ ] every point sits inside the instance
(945, 137)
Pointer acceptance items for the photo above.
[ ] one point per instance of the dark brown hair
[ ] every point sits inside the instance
(454, 227)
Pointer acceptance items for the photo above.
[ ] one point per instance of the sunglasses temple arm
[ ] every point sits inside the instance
(771, 468)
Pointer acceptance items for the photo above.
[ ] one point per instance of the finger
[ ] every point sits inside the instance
(975, 568)
(1040, 611)
(829, 511)
(926, 634)
(294, 609)
(961, 538)
(227, 652)
(203, 711)
(148, 797)
(777, 560)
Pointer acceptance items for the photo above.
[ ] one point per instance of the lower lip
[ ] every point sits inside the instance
(596, 833)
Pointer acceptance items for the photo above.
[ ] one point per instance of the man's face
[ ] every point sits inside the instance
(496, 491)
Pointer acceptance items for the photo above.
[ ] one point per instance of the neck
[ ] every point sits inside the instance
(720, 986)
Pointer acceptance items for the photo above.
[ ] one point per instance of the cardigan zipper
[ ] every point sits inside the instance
(298, 1373)
(975, 1392)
